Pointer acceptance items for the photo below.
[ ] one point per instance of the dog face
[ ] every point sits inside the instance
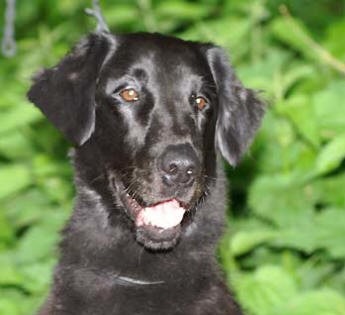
(157, 108)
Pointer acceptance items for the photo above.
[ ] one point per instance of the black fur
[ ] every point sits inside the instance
(109, 264)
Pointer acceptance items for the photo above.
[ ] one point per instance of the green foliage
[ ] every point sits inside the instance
(284, 252)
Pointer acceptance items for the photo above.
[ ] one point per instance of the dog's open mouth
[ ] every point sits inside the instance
(158, 225)
(163, 215)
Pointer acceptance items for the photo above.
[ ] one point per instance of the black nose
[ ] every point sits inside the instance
(179, 165)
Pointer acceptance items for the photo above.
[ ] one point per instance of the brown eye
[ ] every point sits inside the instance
(200, 102)
(129, 95)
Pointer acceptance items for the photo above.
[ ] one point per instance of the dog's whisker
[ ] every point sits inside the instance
(93, 180)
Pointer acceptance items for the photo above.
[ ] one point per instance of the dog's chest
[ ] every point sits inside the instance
(97, 293)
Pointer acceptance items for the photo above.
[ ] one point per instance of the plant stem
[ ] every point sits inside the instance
(321, 52)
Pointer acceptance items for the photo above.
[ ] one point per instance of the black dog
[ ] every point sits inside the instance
(147, 114)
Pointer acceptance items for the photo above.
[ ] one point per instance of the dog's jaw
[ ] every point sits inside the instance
(157, 226)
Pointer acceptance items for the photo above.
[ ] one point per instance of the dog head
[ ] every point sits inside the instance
(157, 108)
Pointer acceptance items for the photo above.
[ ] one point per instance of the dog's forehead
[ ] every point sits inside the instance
(156, 60)
(155, 53)
(157, 43)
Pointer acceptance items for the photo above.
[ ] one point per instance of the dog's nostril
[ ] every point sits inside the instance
(173, 169)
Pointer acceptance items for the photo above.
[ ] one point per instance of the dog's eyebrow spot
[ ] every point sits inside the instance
(140, 74)
(113, 83)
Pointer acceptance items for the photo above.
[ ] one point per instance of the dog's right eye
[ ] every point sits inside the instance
(129, 95)
(199, 101)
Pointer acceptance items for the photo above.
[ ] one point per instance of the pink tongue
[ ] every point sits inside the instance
(164, 215)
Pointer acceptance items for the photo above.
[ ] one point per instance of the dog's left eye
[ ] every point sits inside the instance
(200, 102)
(129, 95)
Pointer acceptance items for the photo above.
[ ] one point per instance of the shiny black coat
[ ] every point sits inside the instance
(108, 265)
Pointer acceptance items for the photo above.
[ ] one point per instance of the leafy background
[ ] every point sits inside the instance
(285, 247)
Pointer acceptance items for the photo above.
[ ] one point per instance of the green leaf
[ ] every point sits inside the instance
(281, 150)
(301, 237)
(331, 155)
(266, 74)
(9, 274)
(332, 42)
(329, 228)
(329, 108)
(181, 10)
(213, 31)
(265, 289)
(37, 276)
(39, 241)
(244, 241)
(6, 231)
(323, 231)
(121, 14)
(283, 199)
(15, 145)
(329, 190)
(293, 33)
(294, 74)
(15, 302)
(11, 96)
(26, 208)
(9, 307)
(37, 244)
(19, 116)
(14, 177)
(298, 108)
(320, 302)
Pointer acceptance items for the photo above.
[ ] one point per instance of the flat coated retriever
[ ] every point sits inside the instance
(148, 115)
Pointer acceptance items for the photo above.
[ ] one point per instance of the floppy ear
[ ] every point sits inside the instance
(239, 109)
(66, 92)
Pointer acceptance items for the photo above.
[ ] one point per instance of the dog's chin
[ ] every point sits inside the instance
(154, 238)
(158, 225)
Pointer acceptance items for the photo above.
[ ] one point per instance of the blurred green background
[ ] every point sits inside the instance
(284, 250)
